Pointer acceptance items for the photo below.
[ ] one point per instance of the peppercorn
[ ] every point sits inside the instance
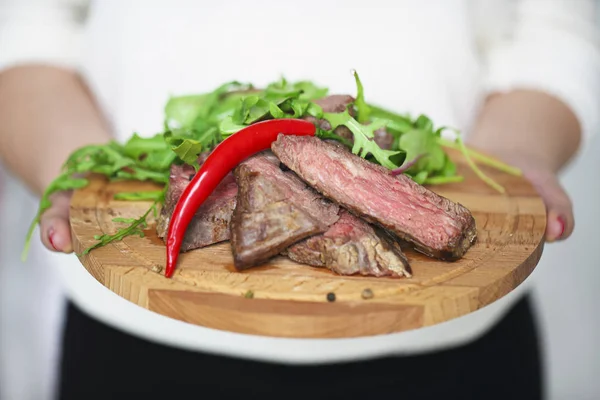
(157, 268)
(331, 297)
(367, 294)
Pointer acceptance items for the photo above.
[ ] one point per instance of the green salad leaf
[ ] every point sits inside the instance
(182, 112)
(154, 195)
(187, 149)
(302, 90)
(364, 143)
(135, 227)
(363, 110)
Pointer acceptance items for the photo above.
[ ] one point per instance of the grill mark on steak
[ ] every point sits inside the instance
(435, 225)
(352, 246)
(274, 210)
(210, 224)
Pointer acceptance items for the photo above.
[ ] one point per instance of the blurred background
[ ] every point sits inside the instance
(566, 296)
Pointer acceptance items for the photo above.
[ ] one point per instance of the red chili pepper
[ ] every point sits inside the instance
(222, 160)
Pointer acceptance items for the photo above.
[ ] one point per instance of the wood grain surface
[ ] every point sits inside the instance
(289, 299)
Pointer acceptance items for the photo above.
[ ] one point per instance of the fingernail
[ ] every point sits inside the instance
(561, 221)
(51, 238)
(556, 229)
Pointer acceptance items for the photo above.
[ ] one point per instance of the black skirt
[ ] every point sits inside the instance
(99, 362)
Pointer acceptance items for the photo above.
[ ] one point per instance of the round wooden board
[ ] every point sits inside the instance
(289, 299)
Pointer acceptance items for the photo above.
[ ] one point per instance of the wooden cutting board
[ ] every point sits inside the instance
(286, 299)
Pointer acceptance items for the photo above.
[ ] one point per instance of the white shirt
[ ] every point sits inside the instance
(437, 57)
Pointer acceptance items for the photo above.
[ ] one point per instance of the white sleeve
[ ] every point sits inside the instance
(41, 31)
(553, 46)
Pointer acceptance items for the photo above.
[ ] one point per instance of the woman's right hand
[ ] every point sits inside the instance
(55, 229)
(47, 112)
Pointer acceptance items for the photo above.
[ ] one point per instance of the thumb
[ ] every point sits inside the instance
(559, 209)
(55, 230)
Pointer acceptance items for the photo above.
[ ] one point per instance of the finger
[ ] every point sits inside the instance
(559, 209)
(55, 230)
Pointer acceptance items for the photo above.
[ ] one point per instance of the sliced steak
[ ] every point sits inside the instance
(434, 224)
(335, 103)
(383, 138)
(274, 210)
(211, 223)
(352, 246)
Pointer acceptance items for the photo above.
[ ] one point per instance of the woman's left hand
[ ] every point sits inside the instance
(539, 134)
(560, 221)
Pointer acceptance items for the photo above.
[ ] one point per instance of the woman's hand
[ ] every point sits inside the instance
(46, 113)
(538, 134)
(560, 221)
(55, 229)
(559, 209)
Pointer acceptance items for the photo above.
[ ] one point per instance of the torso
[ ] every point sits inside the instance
(416, 57)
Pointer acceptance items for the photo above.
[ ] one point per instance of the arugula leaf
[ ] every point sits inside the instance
(364, 142)
(156, 195)
(125, 220)
(141, 174)
(363, 110)
(275, 111)
(440, 180)
(186, 149)
(228, 127)
(213, 98)
(251, 109)
(137, 146)
(182, 111)
(420, 177)
(135, 228)
(303, 90)
(475, 168)
(152, 153)
(449, 168)
(314, 110)
(298, 108)
(422, 143)
(325, 135)
(254, 108)
(424, 123)
(396, 123)
(485, 160)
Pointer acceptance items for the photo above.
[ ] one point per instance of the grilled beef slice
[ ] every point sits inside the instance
(337, 103)
(434, 224)
(211, 223)
(274, 210)
(352, 246)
